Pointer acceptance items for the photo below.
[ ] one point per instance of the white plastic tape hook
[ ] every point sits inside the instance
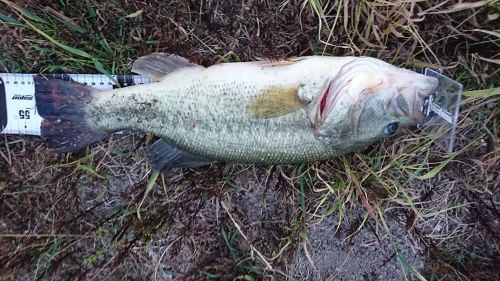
(441, 110)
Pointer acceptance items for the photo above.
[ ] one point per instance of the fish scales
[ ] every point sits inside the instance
(298, 110)
(220, 129)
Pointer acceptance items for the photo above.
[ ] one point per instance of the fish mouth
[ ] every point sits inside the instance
(407, 102)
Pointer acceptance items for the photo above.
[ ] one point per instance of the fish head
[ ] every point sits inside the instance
(368, 100)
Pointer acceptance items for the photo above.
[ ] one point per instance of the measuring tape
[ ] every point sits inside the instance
(18, 113)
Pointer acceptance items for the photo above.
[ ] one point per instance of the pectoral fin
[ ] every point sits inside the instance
(158, 65)
(164, 156)
(275, 101)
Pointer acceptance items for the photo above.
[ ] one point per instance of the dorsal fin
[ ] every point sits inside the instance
(286, 62)
(158, 65)
(275, 101)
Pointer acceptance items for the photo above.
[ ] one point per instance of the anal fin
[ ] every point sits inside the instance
(164, 156)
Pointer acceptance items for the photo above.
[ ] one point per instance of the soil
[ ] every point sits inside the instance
(367, 255)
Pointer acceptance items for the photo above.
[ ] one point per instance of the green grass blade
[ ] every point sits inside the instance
(228, 243)
(8, 20)
(72, 50)
(70, 25)
(27, 13)
(87, 168)
(432, 173)
(483, 93)
(149, 187)
(61, 45)
(98, 65)
(410, 268)
(433, 214)
(211, 275)
(133, 15)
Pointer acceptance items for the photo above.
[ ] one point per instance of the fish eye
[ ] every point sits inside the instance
(391, 128)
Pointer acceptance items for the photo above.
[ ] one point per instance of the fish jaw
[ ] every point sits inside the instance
(411, 89)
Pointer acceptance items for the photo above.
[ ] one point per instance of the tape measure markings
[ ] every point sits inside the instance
(18, 113)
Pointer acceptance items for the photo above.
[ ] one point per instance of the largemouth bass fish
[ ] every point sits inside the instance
(298, 110)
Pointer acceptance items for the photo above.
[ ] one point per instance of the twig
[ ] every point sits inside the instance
(268, 265)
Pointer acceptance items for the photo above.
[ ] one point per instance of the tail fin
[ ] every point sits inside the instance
(62, 104)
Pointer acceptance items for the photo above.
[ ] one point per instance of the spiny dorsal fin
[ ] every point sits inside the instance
(287, 62)
(158, 65)
(275, 101)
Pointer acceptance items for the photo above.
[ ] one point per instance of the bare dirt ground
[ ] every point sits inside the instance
(365, 216)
